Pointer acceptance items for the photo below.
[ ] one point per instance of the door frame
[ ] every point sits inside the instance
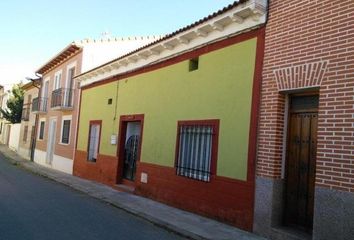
(286, 141)
(123, 122)
(50, 155)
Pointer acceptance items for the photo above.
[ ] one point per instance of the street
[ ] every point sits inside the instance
(33, 207)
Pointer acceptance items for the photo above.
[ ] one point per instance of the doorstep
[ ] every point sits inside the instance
(124, 188)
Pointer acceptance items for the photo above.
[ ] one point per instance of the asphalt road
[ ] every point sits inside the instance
(33, 207)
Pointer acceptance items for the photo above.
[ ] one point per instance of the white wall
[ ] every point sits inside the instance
(98, 52)
(58, 163)
(14, 139)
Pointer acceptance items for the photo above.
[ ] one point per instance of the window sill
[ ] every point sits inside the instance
(64, 144)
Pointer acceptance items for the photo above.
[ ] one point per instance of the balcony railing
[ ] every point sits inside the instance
(25, 114)
(62, 98)
(39, 105)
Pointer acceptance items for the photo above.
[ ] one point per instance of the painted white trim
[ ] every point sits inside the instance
(24, 152)
(66, 117)
(50, 122)
(45, 94)
(243, 17)
(39, 157)
(39, 128)
(63, 164)
(70, 66)
(57, 79)
(59, 163)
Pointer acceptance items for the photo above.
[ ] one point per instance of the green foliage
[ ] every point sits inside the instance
(14, 105)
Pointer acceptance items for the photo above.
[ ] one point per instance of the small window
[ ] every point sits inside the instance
(196, 147)
(65, 135)
(94, 140)
(25, 133)
(41, 130)
(193, 64)
(110, 101)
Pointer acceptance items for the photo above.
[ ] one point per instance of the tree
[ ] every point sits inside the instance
(14, 105)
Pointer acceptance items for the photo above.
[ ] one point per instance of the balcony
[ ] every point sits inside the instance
(39, 105)
(62, 99)
(25, 114)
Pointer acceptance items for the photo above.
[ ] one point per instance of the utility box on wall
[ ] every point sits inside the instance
(114, 139)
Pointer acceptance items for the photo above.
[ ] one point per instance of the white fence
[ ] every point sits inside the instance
(14, 138)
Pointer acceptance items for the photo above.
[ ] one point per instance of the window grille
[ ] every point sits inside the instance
(195, 151)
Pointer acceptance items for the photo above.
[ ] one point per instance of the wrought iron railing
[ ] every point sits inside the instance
(62, 97)
(39, 104)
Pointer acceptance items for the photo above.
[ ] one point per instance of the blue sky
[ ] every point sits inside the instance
(33, 31)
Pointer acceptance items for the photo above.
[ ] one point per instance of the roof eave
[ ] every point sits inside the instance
(71, 50)
(232, 20)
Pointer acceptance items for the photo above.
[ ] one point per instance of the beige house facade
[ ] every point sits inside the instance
(57, 105)
(5, 126)
(28, 120)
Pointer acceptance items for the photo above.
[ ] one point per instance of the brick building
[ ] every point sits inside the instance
(307, 105)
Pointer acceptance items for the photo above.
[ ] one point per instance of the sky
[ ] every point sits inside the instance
(33, 31)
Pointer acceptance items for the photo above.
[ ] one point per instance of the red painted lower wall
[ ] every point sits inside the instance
(104, 170)
(222, 198)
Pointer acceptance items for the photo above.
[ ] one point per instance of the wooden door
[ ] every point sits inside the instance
(301, 161)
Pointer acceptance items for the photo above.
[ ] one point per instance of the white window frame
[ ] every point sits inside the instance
(45, 94)
(67, 117)
(57, 79)
(70, 66)
(39, 129)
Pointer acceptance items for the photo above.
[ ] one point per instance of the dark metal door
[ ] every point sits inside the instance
(301, 161)
(130, 157)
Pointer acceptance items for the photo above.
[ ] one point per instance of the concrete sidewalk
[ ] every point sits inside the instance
(181, 222)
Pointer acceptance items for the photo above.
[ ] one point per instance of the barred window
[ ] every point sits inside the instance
(65, 131)
(196, 149)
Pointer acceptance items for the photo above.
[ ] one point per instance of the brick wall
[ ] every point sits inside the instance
(299, 34)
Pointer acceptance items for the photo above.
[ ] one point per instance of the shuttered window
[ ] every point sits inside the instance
(196, 145)
(65, 131)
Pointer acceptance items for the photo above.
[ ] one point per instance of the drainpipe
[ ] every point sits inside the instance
(34, 135)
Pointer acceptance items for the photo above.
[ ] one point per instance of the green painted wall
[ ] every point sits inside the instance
(220, 89)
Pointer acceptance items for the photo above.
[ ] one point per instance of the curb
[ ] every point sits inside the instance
(120, 201)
